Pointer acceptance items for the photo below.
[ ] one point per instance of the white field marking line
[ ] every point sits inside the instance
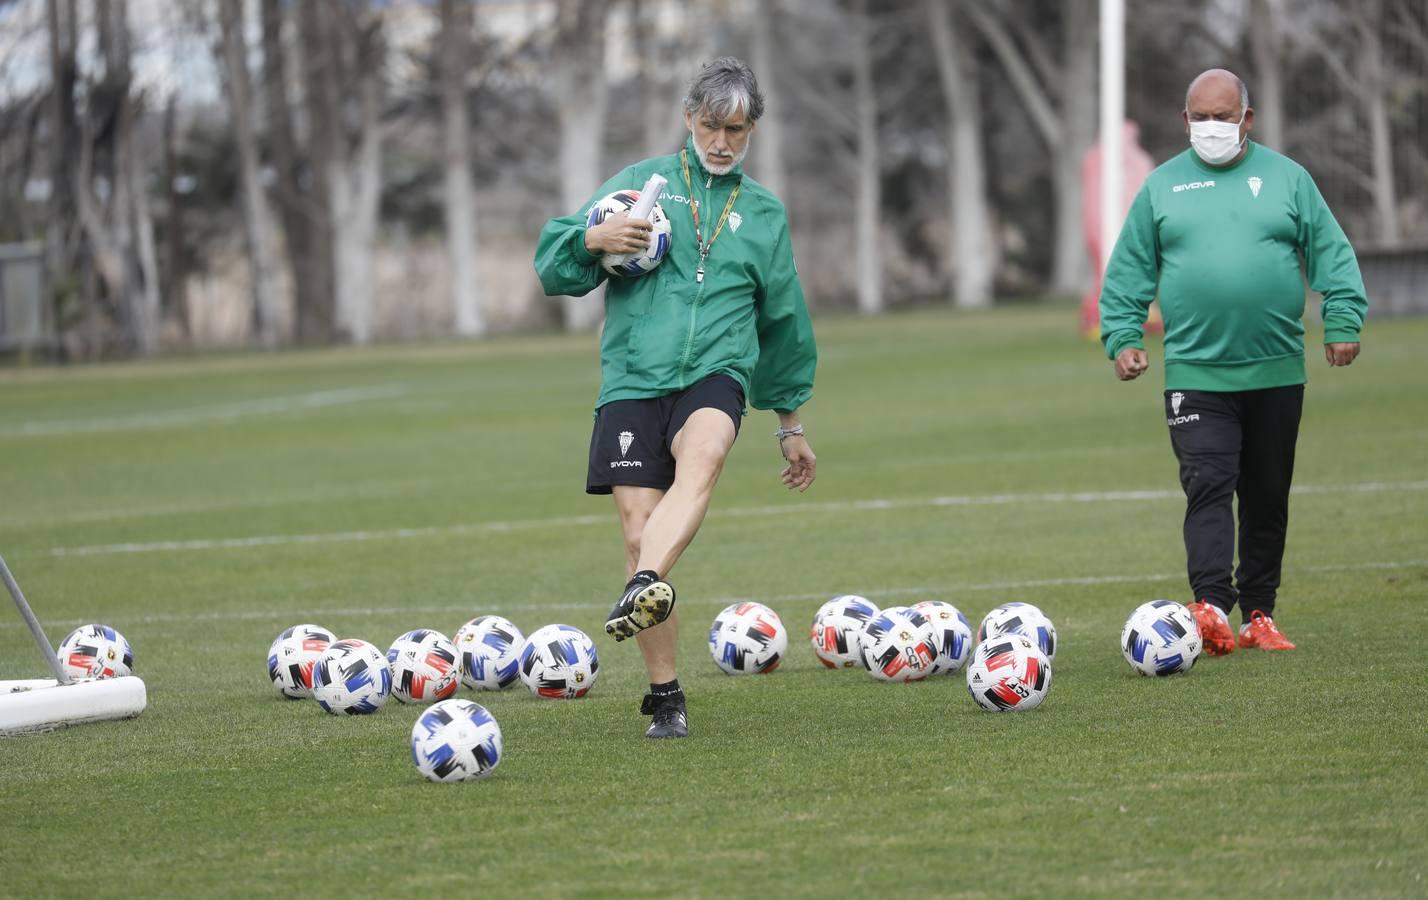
(927, 591)
(217, 412)
(736, 512)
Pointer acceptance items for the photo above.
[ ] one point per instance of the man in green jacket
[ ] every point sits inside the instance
(1218, 233)
(721, 319)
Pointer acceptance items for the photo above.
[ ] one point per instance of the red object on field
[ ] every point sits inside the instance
(1136, 165)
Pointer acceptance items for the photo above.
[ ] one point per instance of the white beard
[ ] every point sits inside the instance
(723, 169)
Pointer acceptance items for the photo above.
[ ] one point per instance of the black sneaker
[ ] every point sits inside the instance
(647, 601)
(670, 720)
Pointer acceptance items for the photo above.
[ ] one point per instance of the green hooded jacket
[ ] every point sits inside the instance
(665, 330)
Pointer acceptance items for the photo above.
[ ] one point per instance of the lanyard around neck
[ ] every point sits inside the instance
(694, 211)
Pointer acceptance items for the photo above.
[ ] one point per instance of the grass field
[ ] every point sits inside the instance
(202, 506)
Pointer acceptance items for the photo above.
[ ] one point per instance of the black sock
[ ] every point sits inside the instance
(668, 689)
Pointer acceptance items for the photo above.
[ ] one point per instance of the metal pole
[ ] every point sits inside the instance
(46, 648)
(1113, 100)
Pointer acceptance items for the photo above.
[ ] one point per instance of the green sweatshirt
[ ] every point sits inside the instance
(665, 330)
(1221, 247)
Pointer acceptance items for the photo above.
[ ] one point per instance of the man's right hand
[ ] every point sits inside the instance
(1131, 363)
(618, 234)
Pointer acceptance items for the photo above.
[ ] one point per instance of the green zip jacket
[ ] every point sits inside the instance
(664, 330)
(1221, 246)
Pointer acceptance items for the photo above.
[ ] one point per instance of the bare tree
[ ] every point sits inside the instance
(1267, 52)
(578, 59)
(768, 144)
(972, 250)
(869, 168)
(460, 197)
(1058, 91)
(257, 216)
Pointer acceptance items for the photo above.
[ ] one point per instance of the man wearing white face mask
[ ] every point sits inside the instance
(1218, 234)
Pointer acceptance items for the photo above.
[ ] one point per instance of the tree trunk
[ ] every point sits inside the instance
(1369, 20)
(257, 217)
(868, 205)
(1069, 267)
(1267, 51)
(769, 164)
(460, 199)
(356, 202)
(175, 304)
(301, 198)
(61, 231)
(971, 251)
(579, 78)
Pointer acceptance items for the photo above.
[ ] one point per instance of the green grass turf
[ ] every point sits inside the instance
(1302, 773)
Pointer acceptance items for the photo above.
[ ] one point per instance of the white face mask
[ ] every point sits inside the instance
(1215, 142)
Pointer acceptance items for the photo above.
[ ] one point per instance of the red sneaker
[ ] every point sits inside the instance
(1214, 628)
(1260, 632)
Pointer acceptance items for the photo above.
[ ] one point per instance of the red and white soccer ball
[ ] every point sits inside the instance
(490, 648)
(747, 639)
(1024, 619)
(837, 630)
(425, 667)
(953, 635)
(351, 678)
(292, 656)
(632, 264)
(1008, 673)
(899, 644)
(559, 662)
(96, 651)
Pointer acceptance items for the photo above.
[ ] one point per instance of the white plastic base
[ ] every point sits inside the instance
(44, 705)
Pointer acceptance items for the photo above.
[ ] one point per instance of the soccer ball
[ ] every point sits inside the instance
(747, 639)
(292, 656)
(1023, 619)
(456, 740)
(351, 678)
(953, 635)
(837, 630)
(631, 264)
(1161, 638)
(1008, 673)
(490, 649)
(559, 661)
(95, 651)
(899, 644)
(424, 667)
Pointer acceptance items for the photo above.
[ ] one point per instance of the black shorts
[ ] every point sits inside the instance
(632, 438)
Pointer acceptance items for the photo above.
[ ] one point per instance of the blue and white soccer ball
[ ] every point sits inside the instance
(631, 264)
(424, 667)
(559, 662)
(292, 657)
(456, 740)
(837, 630)
(490, 648)
(1161, 638)
(899, 644)
(96, 651)
(1024, 619)
(351, 678)
(953, 635)
(1008, 673)
(747, 639)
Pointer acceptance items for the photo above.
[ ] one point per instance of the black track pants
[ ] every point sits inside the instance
(1230, 444)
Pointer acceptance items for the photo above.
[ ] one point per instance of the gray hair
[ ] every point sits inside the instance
(1244, 91)
(722, 86)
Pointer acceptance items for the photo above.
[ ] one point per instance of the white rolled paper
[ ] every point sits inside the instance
(649, 195)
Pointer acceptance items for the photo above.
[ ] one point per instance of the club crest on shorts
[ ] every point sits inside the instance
(1175, 401)
(626, 439)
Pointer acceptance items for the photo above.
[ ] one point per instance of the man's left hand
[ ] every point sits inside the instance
(799, 473)
(1341, 354)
